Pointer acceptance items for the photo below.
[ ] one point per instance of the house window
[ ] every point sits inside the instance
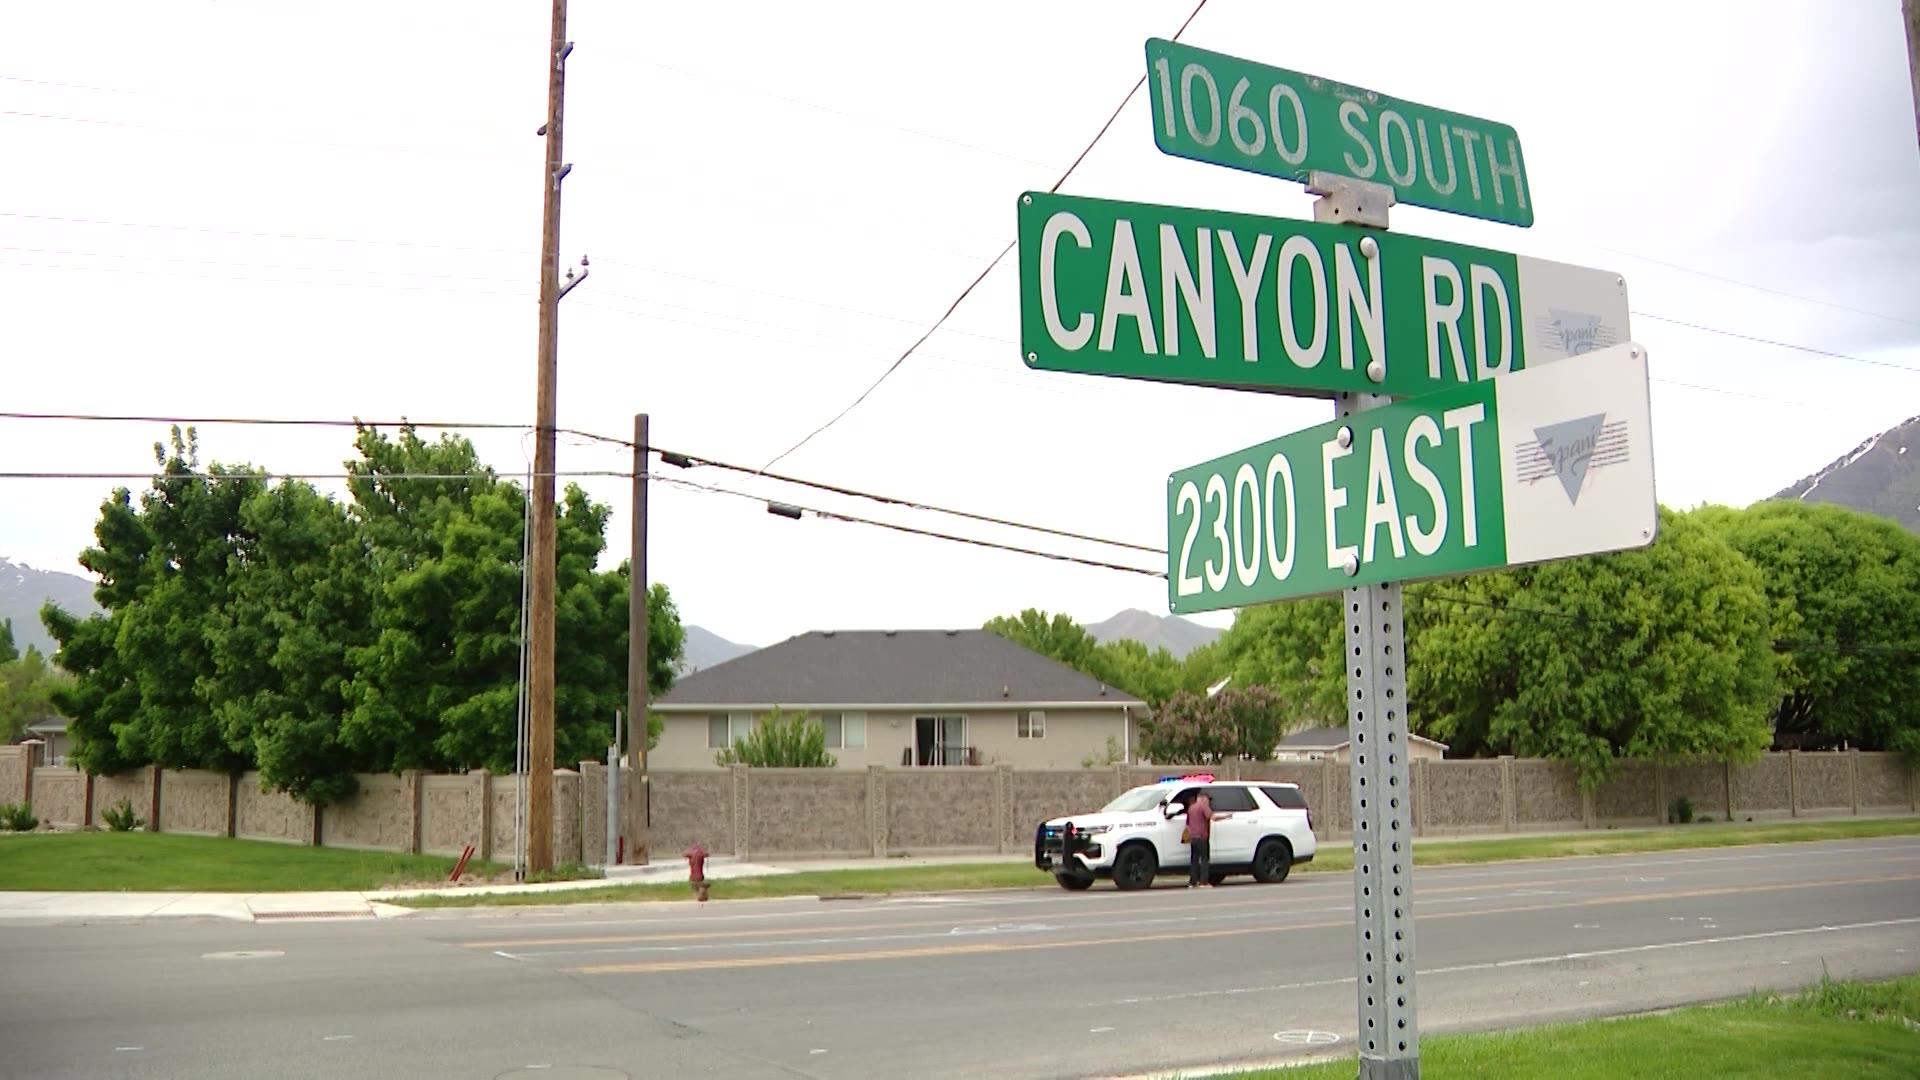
(1031, 724)
(725, 729)
(845, 731)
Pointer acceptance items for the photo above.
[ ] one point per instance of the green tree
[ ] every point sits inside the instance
(1152, 676)
(28, 685)
(140, 695)
(1236, 722)
(299, 600)
(780, 741)
(1057, 636)
(9, 652)
(1665, 651)
(1293, 649)
(1845, 586)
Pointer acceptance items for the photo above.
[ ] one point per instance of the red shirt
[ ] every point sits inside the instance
(1200, 817)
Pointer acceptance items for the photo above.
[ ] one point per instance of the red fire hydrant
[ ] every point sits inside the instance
(697, 870)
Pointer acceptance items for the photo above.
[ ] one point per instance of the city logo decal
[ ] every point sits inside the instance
(1569, 450)
(1576, 332)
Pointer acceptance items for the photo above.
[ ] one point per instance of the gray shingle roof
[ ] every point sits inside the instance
(881, 667)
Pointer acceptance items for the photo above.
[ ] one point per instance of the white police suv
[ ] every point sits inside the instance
(1259, 828)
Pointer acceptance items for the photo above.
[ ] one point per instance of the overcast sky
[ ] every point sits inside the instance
(273, 210)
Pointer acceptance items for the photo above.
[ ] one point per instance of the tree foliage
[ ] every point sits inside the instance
(1845, 588)
(1152, 676)
(27, 688)
(1195, 728)
(271, 626)
(780, 741)
(1661, 652)
(1783, 624)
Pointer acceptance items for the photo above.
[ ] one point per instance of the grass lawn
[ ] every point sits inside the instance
(168, 862)
(1332, 858)
(1846, 1031)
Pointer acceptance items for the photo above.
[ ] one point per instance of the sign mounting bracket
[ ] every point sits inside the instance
(1344, 200)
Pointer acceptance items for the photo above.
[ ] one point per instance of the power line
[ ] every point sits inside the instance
(263, 235)
(1757, 288)
(792, 510)
(692, 460)
(242, 474)
(997, 259)
(269, 421)
(669, 456)
(1780, 344)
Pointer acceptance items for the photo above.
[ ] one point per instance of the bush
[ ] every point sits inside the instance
(18, 817)
(1681, 812)
(120, 817)
(781, 742)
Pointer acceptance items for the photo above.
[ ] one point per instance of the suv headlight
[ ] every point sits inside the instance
(1091, 830)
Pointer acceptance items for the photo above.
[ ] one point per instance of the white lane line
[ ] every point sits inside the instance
(336, 1038)
(127, 1049)
(1198, 919)
(507, 955)
(1531, 961)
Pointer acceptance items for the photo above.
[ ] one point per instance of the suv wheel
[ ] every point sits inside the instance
(1134, 868)
(1273, 861)
(1074, 882)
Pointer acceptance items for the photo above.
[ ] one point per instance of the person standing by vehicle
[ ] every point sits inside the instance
(1199, 838)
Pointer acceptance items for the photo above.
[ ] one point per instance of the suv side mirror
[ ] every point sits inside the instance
(1173, 810)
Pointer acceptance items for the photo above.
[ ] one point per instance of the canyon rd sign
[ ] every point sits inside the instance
(1214, 298)
(1550, 463)
(1223, 110)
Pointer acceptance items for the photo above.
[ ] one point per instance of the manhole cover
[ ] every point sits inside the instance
(563, 1072)
(243, 954)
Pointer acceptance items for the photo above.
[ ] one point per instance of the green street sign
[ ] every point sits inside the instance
(1223, 110)
(1550, 463)
(1214, 298)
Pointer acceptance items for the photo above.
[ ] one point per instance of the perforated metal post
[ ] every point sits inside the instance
(1380, 786)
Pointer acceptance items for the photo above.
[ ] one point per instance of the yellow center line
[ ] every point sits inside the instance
(1132, 939)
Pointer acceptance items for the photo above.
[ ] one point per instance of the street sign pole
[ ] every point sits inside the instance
(1378, 788)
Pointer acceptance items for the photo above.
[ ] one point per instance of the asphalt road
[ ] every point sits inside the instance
(1043, 984)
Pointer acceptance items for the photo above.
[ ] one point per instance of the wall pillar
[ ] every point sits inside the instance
(1728, 765)
(877, 809)
(1659, 792)
(1586, 807)
(482, 781)
(1509, 808)
(86, 800)
(411, 796)
(1853, 779)
(233, 804)
(1002, 806)
(154, 773)
(1793, 783)
(1417, 780)
(742, 808)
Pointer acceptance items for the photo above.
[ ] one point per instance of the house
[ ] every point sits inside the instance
(50, 732)
(904, 698)
(1329, 742)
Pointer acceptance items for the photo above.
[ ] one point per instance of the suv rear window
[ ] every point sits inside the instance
(1286, 798)
(1230, 799)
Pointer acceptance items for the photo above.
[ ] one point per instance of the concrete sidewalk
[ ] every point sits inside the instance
(70, 907)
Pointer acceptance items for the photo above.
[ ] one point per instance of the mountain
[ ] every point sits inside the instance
(24, 589)
(704, 648)
(1171, 632)
(1880, 476)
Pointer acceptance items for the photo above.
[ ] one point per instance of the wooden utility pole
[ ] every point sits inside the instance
(540, 704)
(638, 659)
(1910, 12)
